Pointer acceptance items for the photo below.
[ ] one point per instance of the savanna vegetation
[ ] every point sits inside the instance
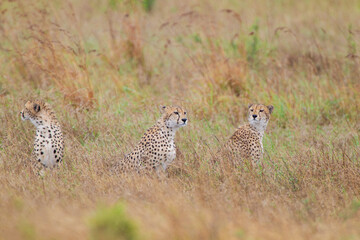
(106, 65)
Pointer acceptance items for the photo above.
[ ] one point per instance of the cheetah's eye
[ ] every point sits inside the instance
(252, 110)
(261, 110)
(37, 107)
(184, 112)
(177, 113)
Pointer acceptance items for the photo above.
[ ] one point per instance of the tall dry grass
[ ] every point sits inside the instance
(105, 66)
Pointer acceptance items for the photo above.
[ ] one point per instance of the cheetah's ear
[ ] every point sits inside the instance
(162, 108)
(36, 107)
(250, 105)
(271, 108)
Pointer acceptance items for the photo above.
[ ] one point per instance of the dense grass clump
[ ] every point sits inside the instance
(106, 66)
(113, 224)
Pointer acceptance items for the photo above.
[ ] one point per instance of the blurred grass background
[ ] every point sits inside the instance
(106, 65)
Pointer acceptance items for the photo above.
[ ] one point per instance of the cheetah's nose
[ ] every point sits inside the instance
(184, 120)
(254, 116)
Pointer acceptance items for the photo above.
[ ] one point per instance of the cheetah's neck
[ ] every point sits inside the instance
(169, 132)
(46, 131)
(51, 126)
(259, 128)
(260, 131)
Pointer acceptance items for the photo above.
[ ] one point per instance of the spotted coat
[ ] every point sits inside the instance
(246, 142)
(156, 149)
(49, 143)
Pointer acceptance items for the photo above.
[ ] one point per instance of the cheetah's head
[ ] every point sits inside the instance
(38, 112)
(259, 114)
(173, 116)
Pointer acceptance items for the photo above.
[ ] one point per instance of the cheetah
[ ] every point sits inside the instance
(246, 142)
(156, 149)
(49, 143)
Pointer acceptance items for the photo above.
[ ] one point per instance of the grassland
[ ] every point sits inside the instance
(106, 66)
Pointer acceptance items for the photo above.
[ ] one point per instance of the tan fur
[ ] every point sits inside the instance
(49, 143)
(156, 149)
(246, 142)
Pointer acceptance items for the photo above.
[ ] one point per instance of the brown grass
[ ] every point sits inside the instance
(105, 66)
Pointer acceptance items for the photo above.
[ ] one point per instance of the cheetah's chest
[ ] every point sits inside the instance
(46, 146)
(259, 141)
(170, 151)
(256, 141)
(171, 155)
